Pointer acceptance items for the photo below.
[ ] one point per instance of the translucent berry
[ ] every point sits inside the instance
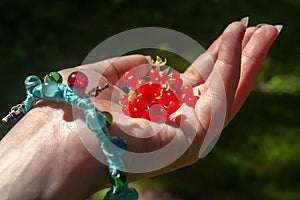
(187, 89)
(140, 102)
(164, 78)
(191, 101)
(154, 75)
(157, 113)
(125, 109)
(172, 107)
(78, 81)
(175, 74)
(135, 112)
(168, 96)
(150, 90)
(146, 115)
(184, 97)
(141, 82)
(124, 99)
(130, 78)
(176, 85)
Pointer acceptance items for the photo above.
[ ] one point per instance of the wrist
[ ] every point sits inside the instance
(46, 140)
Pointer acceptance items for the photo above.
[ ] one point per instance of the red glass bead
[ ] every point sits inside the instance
(78, 81)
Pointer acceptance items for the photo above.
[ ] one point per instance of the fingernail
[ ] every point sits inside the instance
(278, 27)
(260, 25)
(148, 58)
(245, 21)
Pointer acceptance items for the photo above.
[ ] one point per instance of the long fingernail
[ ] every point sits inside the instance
(278, 27)
(245, 21)
(148, 57)
(260, 25)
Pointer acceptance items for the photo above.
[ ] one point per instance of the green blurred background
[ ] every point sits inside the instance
(257, 156)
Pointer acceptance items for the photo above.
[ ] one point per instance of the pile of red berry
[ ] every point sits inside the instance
(157, 96)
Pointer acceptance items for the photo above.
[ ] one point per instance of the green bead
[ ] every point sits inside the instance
(108, 118)
(118, 179)
(53, 76)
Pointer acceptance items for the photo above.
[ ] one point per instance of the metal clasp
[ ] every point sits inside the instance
(15, 110)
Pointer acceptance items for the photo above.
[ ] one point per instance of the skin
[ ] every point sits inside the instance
(42, 156)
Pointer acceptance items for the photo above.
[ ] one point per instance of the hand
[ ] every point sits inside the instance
(46, 139)
(224, 75)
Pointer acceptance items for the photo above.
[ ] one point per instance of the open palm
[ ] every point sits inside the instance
(224, 75)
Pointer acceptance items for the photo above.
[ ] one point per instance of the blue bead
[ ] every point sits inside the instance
(119, 142)
(95, 120)
(31, 82)
(50, 89)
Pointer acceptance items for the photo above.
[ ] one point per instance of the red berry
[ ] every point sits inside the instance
(149, 91)
(164, 78)
(191, 101)
(188, 89)
(125, 109)
(157, 113)
(140, 102)
(124, 99)
(176, 85)
(168, 96)
(172, 107)
(130, 78)
(135, 112)
(154, 75)
(141, 82)
(175, 74)
(78, 81)
(184, 97)
(146, 115)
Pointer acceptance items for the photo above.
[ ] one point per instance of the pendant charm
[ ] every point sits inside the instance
(15, 114)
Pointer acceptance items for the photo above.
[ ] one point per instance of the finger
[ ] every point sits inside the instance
(252, 57)
(228, 62)
(248, 35)
(113, 69)
(218, 91)
(200, 69)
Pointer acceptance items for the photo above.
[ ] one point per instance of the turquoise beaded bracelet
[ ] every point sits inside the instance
(97, 121)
